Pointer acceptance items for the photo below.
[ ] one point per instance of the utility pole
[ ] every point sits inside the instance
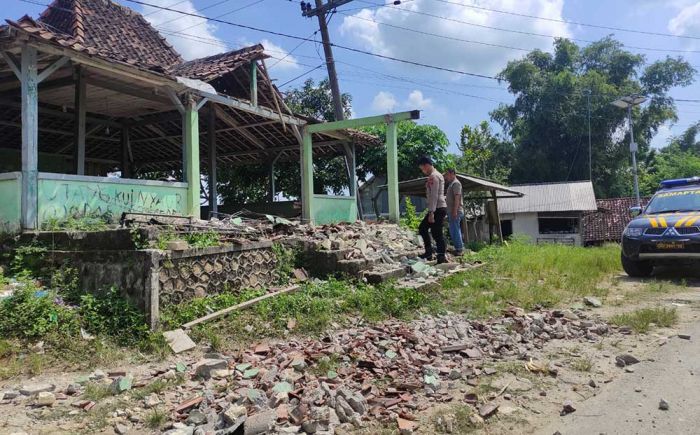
(590, 148)
(320, 11)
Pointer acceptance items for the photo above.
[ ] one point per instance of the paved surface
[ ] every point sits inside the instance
(671, 372)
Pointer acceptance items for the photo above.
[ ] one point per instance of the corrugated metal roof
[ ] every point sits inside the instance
(544, 197)
(470, 183)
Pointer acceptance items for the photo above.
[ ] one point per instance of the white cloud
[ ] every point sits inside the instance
(416, 100)
(454, 54)
(192, 37)
(281, 59)
(384, 102)
(686, 22)
(662, 136)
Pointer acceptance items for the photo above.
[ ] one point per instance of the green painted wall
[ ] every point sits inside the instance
(10, 204)
(59, 198)
(333, 209)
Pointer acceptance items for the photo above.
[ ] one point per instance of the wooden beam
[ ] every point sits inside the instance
(80, 113)
(211, 143)
(228, 120)
(12, 63)
(68, 115)
(361, 122)
(254, 152)
(30, 138)
(11, 91)
(127, 158)
(112, 67)
(254, 83)
(247, 107)
(116, 87)
(52, 68)
(176, 100)
(61, 132)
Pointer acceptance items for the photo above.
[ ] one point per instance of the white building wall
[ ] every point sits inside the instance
(526, 224)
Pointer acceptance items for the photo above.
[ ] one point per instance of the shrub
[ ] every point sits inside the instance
(32, 314)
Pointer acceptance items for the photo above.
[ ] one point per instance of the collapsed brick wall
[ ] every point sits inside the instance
(197, 273)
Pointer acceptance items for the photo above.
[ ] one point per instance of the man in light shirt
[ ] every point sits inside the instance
(455, 211)
(437, 210)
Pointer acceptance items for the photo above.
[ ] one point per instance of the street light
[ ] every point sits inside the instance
(627, 103)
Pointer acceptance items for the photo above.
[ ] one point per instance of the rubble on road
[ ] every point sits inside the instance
(387, 372)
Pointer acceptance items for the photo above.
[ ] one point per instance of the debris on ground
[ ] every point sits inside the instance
(663, 405)
(385, 372)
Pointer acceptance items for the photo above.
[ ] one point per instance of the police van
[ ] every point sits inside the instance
(667, 231)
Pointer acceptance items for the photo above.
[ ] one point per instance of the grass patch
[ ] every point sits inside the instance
(641, 320)
(313, 308)
(581, 365)
(155, 419)
(530, 276)
(96, 391)
(454, 419)
(89, 222)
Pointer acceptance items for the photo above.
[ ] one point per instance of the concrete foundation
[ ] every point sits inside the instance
(152, 279)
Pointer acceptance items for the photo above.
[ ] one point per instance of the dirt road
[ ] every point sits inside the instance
(630, 404)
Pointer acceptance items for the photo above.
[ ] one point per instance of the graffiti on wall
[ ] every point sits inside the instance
(61, 198)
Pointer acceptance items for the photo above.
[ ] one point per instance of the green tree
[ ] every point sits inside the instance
(250, 183)
(316, 101)
(547, 122)
(484, 154)
(679, 159)
(413, 141)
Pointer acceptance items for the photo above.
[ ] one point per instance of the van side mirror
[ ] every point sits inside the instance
(635, 211)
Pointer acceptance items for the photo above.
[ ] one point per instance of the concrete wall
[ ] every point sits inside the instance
(333, 209)
(527, 224)
(62, 195)
(200, 272)
(10, 202)
(152, 279)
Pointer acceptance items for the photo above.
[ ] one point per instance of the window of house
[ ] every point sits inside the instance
(507, 228)
(558, 224)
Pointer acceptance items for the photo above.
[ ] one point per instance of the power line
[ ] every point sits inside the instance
(343, 47)
(301, 75)
(576, 23)
(521, 32)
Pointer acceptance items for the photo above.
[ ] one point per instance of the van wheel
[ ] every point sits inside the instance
(637, 268)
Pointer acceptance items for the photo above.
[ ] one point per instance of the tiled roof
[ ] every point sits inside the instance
(209, 68)
(112, 28)
(105, 29)
(607, 224)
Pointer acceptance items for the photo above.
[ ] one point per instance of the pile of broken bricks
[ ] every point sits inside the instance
(387, 373)
(316, 386)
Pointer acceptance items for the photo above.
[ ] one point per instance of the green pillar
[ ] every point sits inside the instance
(30, 138)
(307, 176)
(392, 171)
(191, 137)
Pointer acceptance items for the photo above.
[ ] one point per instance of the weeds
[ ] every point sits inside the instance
(285, 261)
(89, 222)
(582, 365)
(641, 320)
(410, 218)
(155, 419)
(96, 392)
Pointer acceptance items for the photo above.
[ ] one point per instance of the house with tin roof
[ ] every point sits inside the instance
(548, 212)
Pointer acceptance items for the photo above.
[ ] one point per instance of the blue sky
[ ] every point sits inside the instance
(447, 99)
